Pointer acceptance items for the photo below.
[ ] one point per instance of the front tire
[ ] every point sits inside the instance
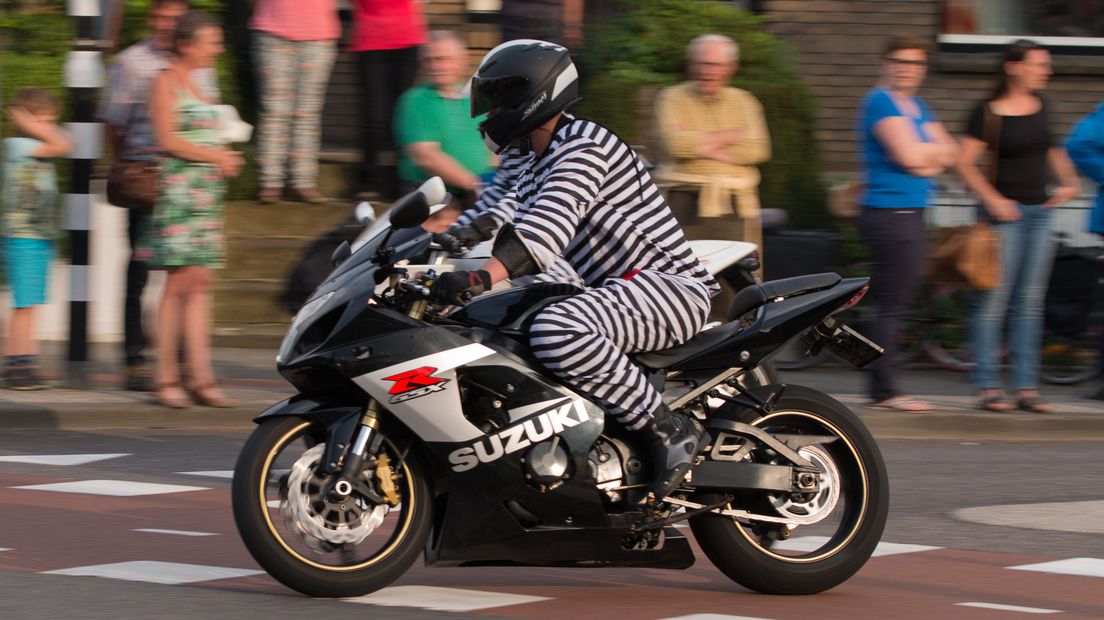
(853, 500)
(318, 547)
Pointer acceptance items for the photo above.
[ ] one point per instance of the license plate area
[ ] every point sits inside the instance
(847, 344)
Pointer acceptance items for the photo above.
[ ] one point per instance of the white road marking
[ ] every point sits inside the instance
(59, 459)
(1084, 567)
(443, 599)
(119, 488)
(174, 532)
(998, 607)
(812, 543)
(5, 548)
(273, 503)
(171, 573)
(217, 473)
(1049, 516)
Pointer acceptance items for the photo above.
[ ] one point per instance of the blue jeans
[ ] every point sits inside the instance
(1027, 255)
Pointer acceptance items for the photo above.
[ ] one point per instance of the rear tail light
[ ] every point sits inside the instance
(854, 300)
(750, 262)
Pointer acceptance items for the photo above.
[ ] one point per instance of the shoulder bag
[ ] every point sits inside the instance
(970, 255)
(132, 183)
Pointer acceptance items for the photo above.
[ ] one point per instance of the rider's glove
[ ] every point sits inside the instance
(447, 241)
(481, 229)
(458, 287)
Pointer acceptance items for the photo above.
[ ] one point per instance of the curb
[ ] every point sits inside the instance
(979, 426)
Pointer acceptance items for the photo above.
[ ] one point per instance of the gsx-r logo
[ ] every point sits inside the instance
(511, 439)
(414, 384)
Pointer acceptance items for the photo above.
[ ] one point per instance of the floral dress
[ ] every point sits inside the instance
(187, 224)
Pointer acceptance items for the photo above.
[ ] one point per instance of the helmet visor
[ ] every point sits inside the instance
(490, 93)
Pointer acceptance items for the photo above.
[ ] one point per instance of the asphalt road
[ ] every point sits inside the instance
(945, 550)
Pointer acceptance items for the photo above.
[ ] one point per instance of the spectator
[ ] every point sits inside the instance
(386, 36)
(903, 145)
(711, 138)
(187, 229)
(294, 46)
(1013, 125)
(1086, 149)
(125, 112)
(433, 124)
(30, 203)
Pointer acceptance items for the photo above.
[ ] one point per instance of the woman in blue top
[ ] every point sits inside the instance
(903, 146)
(1086, 148)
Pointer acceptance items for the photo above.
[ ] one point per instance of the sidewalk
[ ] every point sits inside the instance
(249, 376)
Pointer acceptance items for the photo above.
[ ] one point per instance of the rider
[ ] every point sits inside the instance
(585, 197)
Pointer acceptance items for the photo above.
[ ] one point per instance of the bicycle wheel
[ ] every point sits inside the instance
(1066, 360)
(946, 335)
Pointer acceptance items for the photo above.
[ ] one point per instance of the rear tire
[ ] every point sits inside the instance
(272, 539)
(743, 556)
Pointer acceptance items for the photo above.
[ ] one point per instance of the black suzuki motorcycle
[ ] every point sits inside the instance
(426, 430)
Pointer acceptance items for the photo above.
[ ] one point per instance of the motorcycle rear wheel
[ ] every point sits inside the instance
(853, 499)
(321, 548)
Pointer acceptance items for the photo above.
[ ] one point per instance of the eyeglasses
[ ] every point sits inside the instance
(907, 62)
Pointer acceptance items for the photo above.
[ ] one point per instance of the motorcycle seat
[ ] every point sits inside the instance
(752, 297)
(667, 358)
(746, 300)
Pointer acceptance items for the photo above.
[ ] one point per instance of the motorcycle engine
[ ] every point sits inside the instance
(547, 465)
(614, 466)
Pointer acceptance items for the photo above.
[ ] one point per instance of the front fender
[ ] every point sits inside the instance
(311, 406)
(338, 417)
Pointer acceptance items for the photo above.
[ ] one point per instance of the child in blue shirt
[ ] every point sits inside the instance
(29, 223)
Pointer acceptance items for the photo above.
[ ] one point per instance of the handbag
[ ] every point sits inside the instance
(132, 183)
(966, 255)
(970, 255)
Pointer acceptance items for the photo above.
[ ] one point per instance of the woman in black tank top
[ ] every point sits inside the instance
(1012, 126)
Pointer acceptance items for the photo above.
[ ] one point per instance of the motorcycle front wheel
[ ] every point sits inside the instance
(313, 543)
(840, 523)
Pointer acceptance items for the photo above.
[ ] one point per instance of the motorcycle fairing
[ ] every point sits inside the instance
(512, 310)
(435, 414)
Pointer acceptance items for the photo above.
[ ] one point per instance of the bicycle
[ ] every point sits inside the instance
(1073, 319)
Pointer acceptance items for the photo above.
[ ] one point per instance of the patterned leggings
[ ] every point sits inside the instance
(293, 77)
(584, 339)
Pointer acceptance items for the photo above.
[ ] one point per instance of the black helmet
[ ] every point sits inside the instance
(527, 82)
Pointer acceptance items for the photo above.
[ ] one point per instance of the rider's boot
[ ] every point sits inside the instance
(673, 440)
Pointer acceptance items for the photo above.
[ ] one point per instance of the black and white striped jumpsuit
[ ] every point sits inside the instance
(512, 162)
(587, 200)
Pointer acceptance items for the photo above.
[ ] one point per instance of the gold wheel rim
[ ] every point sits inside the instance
(865, 494)
(408, 504)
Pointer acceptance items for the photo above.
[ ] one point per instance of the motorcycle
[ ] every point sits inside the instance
(432, 431)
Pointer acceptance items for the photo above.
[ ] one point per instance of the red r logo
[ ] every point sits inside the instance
(413, 379)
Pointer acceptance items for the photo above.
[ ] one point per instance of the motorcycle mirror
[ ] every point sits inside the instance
(410, 211)
(364, 213)
(342, 252)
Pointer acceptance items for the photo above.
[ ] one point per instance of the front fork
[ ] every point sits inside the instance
(365, 443)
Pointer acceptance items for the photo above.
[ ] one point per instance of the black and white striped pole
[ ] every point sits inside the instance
(84, 76)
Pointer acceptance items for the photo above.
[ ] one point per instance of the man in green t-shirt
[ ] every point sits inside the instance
(433, 124)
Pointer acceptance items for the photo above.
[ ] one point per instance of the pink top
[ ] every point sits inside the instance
(297, 20)
(387, 25)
